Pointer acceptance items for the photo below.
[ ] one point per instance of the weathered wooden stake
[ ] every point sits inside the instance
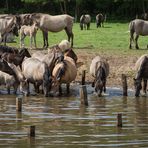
(119, 120)
(83, 77)
(19, 104)
(124, 84)
(32, 131)
(83, 95)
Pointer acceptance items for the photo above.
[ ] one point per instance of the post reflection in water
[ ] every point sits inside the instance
(64, 122)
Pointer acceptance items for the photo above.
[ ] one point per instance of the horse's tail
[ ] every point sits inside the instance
(132, 27)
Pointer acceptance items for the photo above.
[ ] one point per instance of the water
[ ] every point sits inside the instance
(63, 122)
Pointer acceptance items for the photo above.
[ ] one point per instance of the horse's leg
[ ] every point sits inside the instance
(44, 38)
(136, 41)
(88, 26)
(105, 86)
(22, 40)
(131, 39)
(70, 35)
(144, 86)
(60, 90)
(31, 41)
(67, 87)
(35, 40)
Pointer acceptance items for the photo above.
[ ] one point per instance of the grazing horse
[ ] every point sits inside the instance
(17, 59)
(64, 72)
(99, 69)
(55, 23)
(37, 73)
(141, 67)
(85, 20)
(139, 27)
(100, 20)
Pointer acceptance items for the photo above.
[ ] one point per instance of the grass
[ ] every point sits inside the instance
(113, 38)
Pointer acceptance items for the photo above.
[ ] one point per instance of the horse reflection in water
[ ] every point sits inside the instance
(99, 69)
(141, 67)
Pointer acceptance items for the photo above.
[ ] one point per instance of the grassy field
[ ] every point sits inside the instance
(113, 38)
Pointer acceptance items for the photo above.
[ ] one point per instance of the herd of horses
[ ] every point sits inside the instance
(49, 70)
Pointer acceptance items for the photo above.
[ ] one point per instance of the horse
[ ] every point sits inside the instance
(55, 23)
(64, 72)
(50, 59)
(85, 20)
(7, 49)
(8, 24)
(28, 31)
(141, 68)
(99, 69)
(37, 73)
(63, 45)
(139, 27)
(18, 58)
(100, 20)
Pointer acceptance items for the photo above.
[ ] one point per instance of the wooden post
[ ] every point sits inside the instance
(83, 95)
(83, 77)
(32, 131)
(19, 104)
(119, 120)
(124, 84)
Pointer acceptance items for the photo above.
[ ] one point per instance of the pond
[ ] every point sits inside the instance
(63, 122)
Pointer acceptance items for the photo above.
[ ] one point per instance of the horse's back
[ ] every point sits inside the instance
(70, 70)
(96, 63)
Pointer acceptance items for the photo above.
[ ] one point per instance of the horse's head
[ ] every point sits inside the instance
(138, 86)
(24, 52)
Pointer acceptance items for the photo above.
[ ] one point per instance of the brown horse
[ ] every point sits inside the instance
(100, 20)
(64, 72)
(17, 59)
(99, 69)
(139, 27)
(55, 23)
(141, 74)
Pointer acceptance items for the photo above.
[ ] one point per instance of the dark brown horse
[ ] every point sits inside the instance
(17, 59)
(100, 20)
(141, 74)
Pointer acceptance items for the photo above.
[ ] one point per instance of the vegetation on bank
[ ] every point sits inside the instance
(112, 38)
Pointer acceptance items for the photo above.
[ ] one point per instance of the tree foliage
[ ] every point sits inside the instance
(113, 8)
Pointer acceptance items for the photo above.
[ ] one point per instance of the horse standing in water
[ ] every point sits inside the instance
(99, 69)
(141, 67)
(55, 23)
(139, 27)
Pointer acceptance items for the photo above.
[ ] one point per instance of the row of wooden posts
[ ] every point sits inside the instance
(84, 101)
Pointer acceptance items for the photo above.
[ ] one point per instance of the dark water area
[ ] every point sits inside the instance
(63, 122)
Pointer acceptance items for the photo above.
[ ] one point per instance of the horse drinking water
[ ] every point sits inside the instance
(141, 74)
(99, 69)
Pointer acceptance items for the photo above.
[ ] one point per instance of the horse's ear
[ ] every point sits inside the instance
(134, 79)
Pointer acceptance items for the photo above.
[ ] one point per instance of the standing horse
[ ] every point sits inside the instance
(99, 69)
(64, 72)
(100, 20)
(37, 73)
(141, 74)
(139, 27)
(55, 23)
(85, 20)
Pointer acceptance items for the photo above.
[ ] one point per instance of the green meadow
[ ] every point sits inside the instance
(112, 38)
